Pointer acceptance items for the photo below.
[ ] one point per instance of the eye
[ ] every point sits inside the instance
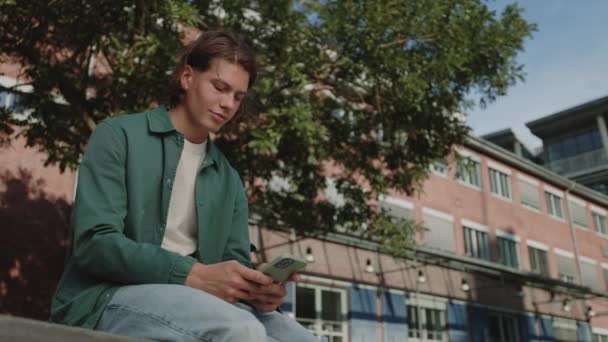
(219, 87)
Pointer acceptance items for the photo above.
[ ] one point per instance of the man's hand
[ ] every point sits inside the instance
(269, 297)
(228, 280)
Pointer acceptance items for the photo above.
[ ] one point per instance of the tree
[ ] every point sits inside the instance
(367, 93)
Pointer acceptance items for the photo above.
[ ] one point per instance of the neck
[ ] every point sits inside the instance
(183, 123)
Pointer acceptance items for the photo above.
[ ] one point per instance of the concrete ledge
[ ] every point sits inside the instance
(23, 329)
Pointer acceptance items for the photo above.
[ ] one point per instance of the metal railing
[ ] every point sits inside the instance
(578, 163)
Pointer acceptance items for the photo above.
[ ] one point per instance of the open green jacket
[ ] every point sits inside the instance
(120, 213)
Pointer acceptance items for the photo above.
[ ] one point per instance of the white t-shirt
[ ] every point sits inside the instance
(181, 232)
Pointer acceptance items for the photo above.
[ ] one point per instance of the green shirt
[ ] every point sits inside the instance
(120, 213)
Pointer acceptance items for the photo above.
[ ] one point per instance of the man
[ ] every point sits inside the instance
(160, 243)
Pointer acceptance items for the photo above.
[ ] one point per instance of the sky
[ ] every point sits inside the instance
(565, 61)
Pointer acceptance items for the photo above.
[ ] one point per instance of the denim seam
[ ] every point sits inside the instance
(160, 319)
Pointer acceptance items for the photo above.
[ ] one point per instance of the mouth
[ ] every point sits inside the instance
(217, 116)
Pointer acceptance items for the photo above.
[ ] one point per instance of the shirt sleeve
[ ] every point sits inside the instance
(100, 247)
(238, 246)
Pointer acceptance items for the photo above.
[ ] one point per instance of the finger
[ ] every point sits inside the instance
(263, 306)
(254, 276)
(268, 298)
(246, 285)
(275, 290)
(234, 295)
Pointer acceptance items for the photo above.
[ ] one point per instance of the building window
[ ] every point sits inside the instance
(554, 205)
(564, 330)
(507, 252)
(538, 261)
(4, 99)
(440, 230)
(476, 243)
(529, 194)
(322, 310)
(399, 210)
(589, 274)
(468, 171)
(578, 213)
(426, 324)
(503, 328)
(500, 183)
(600, 337)
(606, 278)
(566, 269)
(440, 167)
(599, 221)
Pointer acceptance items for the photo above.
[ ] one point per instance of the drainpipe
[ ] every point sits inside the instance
(573, 235)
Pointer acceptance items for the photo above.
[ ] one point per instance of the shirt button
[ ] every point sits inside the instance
(200, 203)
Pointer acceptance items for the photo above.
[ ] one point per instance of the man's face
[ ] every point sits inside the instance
(212, 97)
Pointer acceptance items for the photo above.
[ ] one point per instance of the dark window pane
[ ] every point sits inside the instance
(331, 308)
(3, 98)
(584, 142)
(305, 303)
(596, 139)
(554, 151)
(570, 148)
(495, 329)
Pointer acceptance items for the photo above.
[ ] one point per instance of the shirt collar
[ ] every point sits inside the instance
(160, 122)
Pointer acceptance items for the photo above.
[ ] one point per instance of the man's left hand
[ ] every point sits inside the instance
(271, 296)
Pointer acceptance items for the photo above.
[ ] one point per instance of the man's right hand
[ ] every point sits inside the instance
(228, 280)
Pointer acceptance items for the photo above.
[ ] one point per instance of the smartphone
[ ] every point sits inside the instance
(281, 267)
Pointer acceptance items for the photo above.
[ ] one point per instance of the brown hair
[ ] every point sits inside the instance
(209, 45)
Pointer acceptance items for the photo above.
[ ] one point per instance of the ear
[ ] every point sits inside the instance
(185, 78)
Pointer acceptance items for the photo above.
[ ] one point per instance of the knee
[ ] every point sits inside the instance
(249, 329)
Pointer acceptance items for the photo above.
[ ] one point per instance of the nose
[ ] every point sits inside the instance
(227, 102)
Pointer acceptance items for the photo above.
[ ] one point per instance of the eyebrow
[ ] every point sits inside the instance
(224, 83)
(218, 78)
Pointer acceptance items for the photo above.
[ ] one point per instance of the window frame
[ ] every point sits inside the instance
(563, 324)
(597, 216)
(473, 249)
(466, 177)
(422, 303)
(500, 182)
(568, 278)
(502, 317)
(554, 201)
(533, 183)
(440, 167)
(318, 323)
(535, 250)
(510, 238)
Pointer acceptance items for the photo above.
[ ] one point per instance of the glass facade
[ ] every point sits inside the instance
(571, 146)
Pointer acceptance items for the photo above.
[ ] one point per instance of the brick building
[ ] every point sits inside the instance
(513, 252)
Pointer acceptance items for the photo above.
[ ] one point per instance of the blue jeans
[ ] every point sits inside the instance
(181, 313)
